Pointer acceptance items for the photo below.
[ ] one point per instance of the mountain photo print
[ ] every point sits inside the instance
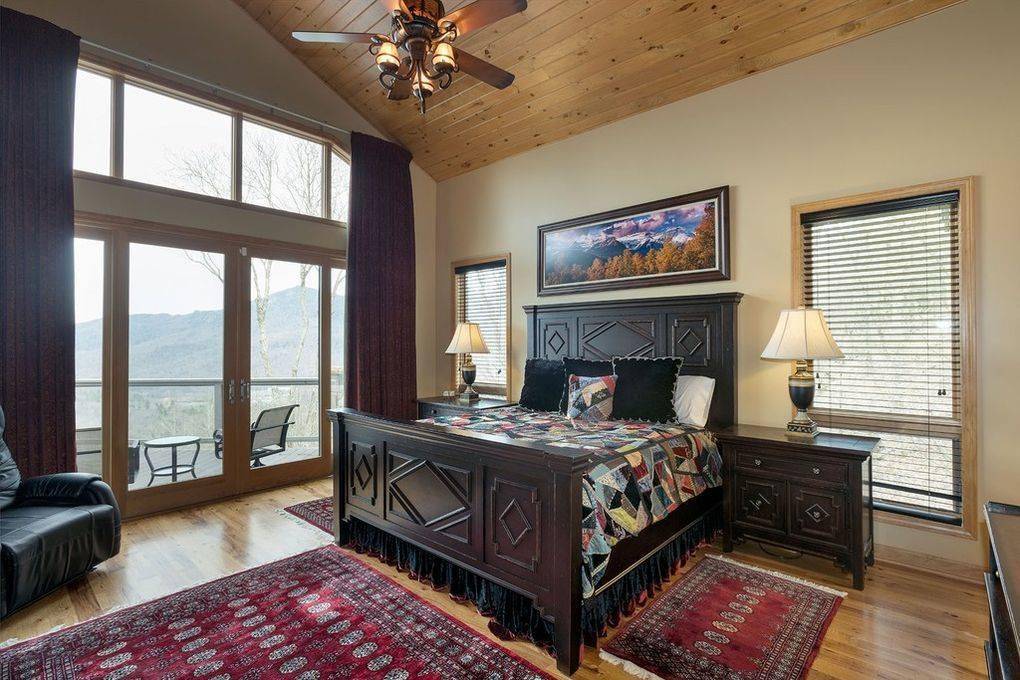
(676, 240)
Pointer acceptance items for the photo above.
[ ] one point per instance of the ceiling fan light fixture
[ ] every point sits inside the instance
(387, 58)
(423, 85)
(442, 58)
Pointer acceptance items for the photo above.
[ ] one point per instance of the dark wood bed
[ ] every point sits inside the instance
(510, 511)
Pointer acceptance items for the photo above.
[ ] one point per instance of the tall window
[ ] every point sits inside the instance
(176, 144)
(92, 118)
(89, 280)
(281, 170)
(180, 141)
(887, 275)
(481, 295)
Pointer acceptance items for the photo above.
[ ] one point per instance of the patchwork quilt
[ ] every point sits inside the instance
(647, 471)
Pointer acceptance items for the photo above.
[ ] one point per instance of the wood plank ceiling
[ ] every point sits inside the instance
(579, 63)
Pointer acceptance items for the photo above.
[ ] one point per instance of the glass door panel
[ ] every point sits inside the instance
(175, 365)
(337, 310)
(283, 396)
(89, 276)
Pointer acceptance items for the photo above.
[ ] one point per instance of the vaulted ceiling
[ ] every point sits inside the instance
(579, 63)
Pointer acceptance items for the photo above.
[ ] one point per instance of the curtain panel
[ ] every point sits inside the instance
(380, 360)
(37, 76)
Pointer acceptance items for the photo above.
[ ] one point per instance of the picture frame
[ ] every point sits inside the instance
(677, 240)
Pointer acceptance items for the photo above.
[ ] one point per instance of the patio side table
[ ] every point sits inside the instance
(174, 469)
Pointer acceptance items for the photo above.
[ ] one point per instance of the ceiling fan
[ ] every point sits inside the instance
(418, 55)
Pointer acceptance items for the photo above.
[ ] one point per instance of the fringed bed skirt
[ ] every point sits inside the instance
(512, 614)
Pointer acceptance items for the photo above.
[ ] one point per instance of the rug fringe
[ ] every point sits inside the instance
(325, 537)
(779, 574)
(628, 666)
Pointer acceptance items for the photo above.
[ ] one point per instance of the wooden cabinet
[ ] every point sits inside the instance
(434, 407)
(1003, 585)
(812, 496)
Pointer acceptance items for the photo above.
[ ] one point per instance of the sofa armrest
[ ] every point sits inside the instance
(65, 488)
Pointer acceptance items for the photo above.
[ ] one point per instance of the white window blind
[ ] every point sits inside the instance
(481, 298)
(887, 276)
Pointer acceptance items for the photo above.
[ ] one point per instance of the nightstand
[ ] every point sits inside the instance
(812, 496)
(430, 407)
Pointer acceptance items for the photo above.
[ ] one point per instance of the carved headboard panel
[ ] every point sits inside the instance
(700, 328)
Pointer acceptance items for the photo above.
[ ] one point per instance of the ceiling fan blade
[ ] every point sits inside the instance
(401, 90)
(483, 70)
(482, 13)
(332, 37)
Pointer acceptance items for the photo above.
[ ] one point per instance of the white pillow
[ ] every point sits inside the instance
(692, 398)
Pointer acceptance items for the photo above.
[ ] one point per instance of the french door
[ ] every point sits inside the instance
(284, 367)
(204, 366)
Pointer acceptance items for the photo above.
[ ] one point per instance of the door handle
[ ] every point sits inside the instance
(230, 391)
(245, 390)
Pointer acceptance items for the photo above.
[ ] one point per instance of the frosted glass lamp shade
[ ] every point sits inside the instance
(801, 334)
(467, 339)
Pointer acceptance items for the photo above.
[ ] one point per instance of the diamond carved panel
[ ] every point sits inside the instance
(514, 534)
(362, 480)
(430, 495)
(623, 338)
(512, 516)
(555, 340)
(691, 339)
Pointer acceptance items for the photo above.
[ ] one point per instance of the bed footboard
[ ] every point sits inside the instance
(510, 512)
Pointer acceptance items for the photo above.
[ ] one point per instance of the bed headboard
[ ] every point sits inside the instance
(700, 328)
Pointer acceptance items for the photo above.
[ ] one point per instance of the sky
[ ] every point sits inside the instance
(163, 280)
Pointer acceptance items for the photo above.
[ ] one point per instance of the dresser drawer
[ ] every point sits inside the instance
(818, 514)
(768, 461)
(434, 411)
(761, 502)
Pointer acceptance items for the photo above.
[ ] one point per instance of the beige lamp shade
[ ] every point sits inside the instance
(467, 339)
(801, 334)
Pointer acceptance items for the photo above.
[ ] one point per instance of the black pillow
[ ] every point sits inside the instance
(644, 388)
(543, 380)
(582, 367)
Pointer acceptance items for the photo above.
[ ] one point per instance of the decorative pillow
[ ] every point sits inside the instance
(591, 398)
(543, 384)
(584, 368)
(692, 399)
(644, 388)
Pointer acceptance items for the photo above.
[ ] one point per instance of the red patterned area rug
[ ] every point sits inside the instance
(320, 614)
(318, 513)
(727, 620)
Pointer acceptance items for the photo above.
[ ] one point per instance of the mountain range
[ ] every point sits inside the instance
(190, 345)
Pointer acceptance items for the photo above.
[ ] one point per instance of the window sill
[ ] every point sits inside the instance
(966, 531)
(180, 193)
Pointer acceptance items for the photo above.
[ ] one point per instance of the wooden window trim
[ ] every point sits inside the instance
(121, 74)
(509, 321)
(968, 333)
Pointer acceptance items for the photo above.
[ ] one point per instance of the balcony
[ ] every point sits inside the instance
(193, 408)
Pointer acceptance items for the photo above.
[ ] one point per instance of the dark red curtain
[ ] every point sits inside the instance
(380, 355)
(37, 73)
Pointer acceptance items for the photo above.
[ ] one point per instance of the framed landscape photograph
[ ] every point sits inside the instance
(683, 239)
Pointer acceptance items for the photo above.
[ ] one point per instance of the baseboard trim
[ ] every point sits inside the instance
(960, 571)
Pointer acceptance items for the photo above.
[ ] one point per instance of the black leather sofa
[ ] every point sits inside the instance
(53, 529)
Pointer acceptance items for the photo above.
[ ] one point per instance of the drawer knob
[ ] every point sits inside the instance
(816, 471)
(757, 461)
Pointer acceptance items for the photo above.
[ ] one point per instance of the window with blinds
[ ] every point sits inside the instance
(480, 296)
(887, 276)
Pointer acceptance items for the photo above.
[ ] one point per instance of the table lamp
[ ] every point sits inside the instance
(801, 335)
(467, 339)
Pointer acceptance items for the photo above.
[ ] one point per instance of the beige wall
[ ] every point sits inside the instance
(216, 41)
(933, 99)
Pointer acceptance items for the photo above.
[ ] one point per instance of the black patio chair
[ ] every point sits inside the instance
(268, 434)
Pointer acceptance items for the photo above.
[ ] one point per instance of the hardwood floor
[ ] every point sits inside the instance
(905, 624)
